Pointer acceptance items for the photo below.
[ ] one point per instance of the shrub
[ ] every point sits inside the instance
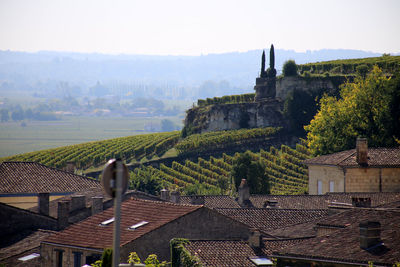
(289, 68)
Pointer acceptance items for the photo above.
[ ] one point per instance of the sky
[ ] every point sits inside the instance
(186, 27)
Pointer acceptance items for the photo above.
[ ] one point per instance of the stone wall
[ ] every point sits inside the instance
(264, 113)
(325, 174)
(201, 224)
(286, 84)
(17, 223)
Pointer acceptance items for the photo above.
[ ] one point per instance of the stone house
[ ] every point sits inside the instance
(146, 227)
(361, 169)
(22, 182)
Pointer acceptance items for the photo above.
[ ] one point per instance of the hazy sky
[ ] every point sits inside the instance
(198, 27)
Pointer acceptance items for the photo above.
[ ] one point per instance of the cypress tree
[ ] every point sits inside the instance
(262, 64)
(272, 58)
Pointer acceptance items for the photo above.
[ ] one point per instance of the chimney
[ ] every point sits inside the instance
(70, 167)
(43, 203)
(370, 234)
(164, 194)
(361, 202)
(255, 239)
(197, 200)
(77, 202)
(63, 214)
(362, 151)
(97, 205)
(244, 193)
(175, 197)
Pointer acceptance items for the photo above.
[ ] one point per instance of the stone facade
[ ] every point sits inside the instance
(286, 84)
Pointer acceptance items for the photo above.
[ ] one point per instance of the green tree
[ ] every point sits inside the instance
(253, 171)
(272, 57)
(367, 107)
(106, 258)
(146, 181)
(262, 73)
(289, 68)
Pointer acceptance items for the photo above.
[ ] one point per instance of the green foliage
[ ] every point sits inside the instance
(222, 139)
(272, 57)
(362, 70)
(262, 73)
(253, 171)
(228, 99)
(145, 180)
(89, 154)
(299, 108)
(106, 258)
(180, 256)
(388, 64)
(134, 258)
(368, 107)
(96, 264)
(289, 68)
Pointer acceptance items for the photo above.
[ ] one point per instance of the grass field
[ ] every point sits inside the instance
(15, 139)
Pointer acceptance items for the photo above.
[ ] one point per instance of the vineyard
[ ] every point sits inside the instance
(389, 64)
(284, 167)
(132, 148)
(221, 139)
(227, 99)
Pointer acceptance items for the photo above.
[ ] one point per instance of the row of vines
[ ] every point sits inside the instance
(287, 174)
(131, 148)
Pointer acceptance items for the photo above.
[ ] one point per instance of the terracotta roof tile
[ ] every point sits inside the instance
(221, 252)
(331, 247)
(322, 201)
(383, 157)
(218, 201)
(89, 233)
(266, 220)
(31, 177)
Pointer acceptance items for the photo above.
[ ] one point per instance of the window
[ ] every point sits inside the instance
(135, 226)
(261, 261)
(29, 257)
(77, 259)
(59, 257)
(331, 186)
(319, 187)
(107, 222)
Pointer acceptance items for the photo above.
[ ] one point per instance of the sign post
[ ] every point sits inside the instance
(115, 182)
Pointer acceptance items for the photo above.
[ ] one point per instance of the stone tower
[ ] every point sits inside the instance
(266, 84)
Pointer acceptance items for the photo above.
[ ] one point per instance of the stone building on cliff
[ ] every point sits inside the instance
(265, 111)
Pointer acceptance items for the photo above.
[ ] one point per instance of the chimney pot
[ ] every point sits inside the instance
(43, 203)
(62, 214)
(361, 202)
(175, 197)
(244, 192)
(164, 194)
(197, 200)
(370, 234)
(362, 151)
(97, 205)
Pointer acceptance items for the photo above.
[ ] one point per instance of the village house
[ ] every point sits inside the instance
(356, 170)
(146, 228)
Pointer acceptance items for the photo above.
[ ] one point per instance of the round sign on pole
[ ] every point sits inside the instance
(109, 178)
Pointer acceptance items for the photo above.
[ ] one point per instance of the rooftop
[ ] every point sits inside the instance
(91, 234)
(377, 157)
(218, 201)
(31, 177)
(266, 220)
(331, 248)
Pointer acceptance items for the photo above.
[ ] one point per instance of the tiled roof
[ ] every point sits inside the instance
(218, 201)
(266, 220)
(9, 255)
(301, 230)
(344, 244)
(382, 157)
(89, 233)
(221, 252)
(322, 201)
(31, 177)
(272, 245)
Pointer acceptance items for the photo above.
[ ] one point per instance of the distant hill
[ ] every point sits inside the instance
(83, 69)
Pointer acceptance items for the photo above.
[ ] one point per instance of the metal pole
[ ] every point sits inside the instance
(117, 213)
